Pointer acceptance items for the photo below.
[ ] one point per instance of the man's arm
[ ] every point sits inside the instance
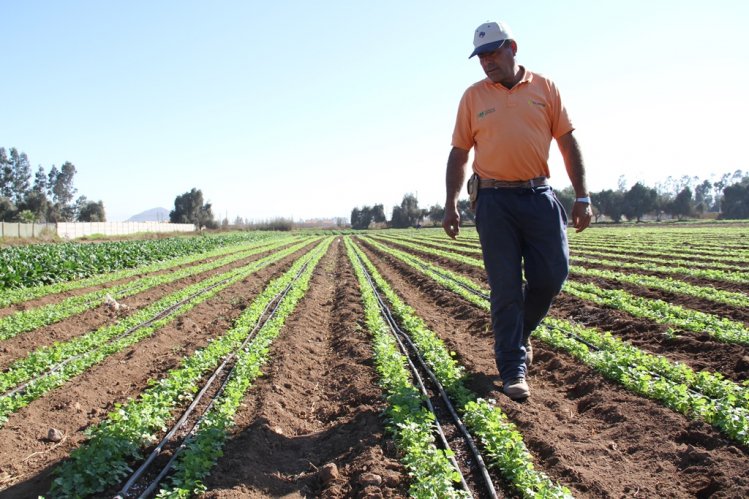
(573, 162)
(454, 178)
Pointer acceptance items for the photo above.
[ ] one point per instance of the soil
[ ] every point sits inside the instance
(312, 425)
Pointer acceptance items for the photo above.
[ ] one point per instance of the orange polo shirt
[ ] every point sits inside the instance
(511, 130)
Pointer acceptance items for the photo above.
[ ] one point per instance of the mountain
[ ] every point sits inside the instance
(152, 215)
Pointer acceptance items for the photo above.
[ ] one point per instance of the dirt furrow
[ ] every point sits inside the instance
(57, 297)
(27, 457)
(90, 320)
(589, 434)
(698, 350)
(317, 409)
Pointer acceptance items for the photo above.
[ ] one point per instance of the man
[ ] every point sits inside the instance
(509, 119)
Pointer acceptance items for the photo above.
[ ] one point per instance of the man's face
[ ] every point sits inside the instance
(499, 65)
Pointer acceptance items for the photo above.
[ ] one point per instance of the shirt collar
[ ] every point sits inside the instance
(527, 78)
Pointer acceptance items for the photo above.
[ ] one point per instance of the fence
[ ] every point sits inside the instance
(72, 230)
(13, 229)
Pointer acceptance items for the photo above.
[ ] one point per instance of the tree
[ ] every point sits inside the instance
(408, 213)
(681, 206)
(38, 204)
(609, 203)
(703, 198)
(378, 214)
(6, 175)
(20, 175)
(361, 218)
(436, 213)
(8, 210)
(638, 201)
(40, 181)
(736, 200)
(92, 212)
(62, 184)
(189, 209)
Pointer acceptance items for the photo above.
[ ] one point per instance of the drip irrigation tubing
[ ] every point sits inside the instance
(21, 388)
(401, 335)
(572, 336)
(263, 319)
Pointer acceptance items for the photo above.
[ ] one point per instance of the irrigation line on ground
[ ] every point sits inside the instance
(265, 316)
(730, 413)
(99, 351)
(400, 336)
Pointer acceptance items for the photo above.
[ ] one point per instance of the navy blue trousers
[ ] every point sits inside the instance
(522, 231)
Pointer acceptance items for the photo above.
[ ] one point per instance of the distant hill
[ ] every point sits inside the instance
(152, 215)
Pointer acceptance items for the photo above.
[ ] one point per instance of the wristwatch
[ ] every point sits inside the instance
(585, 200)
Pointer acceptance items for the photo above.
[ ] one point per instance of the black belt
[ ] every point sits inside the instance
(490, 183)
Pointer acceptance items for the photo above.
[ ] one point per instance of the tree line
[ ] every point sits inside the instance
(685, 197)
(407, 214)
(49, 197)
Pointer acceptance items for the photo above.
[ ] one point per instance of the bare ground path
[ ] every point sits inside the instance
(318, 405)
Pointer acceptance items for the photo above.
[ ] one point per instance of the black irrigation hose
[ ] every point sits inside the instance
(399, 334)
(263, 319)
(570, 335)
(20, 388)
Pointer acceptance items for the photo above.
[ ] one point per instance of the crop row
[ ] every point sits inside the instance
(674, 316)
(708, 269)
(79, 354)
(703, 395)
(662, 312)
(118, 440)
(663, 250)
(39, 264)
(33, 318)
(499, 437)
(720, 239)
(410, 422)
(621, 248)
(661, 283)
(18, 295)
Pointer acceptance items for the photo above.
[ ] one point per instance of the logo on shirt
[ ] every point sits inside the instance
(536, 103)
(485, 112)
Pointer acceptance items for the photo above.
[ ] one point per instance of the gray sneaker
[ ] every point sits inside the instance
(517, 389)
(528, 352)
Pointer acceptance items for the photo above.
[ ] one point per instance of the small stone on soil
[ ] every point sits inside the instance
(328, 473)
(370, 479)
(54, 435)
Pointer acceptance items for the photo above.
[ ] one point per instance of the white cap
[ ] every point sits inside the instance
(489, 37)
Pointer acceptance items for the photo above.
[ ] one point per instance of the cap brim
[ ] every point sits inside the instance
(487, 47)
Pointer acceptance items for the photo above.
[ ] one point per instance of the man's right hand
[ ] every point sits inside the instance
(451, 222)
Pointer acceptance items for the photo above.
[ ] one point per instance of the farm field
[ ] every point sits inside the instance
(264, 366)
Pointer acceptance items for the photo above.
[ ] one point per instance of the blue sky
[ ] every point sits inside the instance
(308, 109)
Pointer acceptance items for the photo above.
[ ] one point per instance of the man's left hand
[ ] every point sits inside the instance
(581, 215)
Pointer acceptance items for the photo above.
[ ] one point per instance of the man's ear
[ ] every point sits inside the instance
(514, 46)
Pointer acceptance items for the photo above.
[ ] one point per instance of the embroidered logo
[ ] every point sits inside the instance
(536, 103)
(483, 113)
(482, 34)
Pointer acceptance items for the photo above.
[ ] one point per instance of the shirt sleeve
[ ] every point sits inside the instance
(560, 121)
(463, 133)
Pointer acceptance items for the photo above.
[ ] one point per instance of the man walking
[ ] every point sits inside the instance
(509, 119)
